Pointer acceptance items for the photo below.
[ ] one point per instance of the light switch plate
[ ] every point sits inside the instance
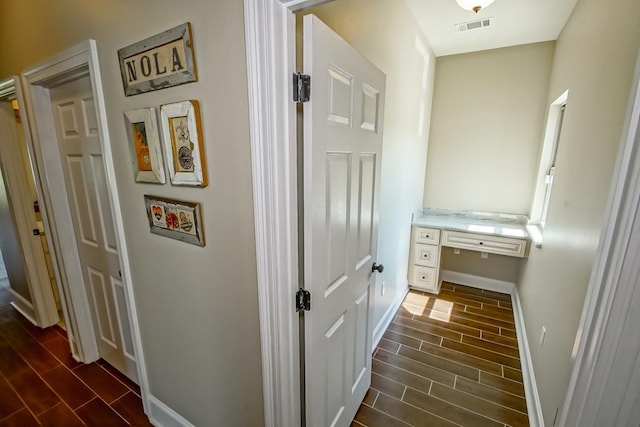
(543, 332)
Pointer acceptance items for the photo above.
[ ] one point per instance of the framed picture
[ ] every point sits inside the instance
(144, 140)
(182, 137)
(175, 219)
(158, 62)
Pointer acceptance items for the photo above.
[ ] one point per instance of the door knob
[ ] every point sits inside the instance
(378, 267)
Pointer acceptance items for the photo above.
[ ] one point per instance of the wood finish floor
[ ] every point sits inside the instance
(40, 383)
(446, 360)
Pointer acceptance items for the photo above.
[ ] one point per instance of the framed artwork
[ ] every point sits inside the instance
(175, 219)
(144, 140)
(182, 137)
(158, 62)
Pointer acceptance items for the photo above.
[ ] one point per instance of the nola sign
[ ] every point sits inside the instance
(160, 61)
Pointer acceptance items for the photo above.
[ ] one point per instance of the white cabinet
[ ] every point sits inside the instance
(426, 244)
(424, 264)
(485, 243)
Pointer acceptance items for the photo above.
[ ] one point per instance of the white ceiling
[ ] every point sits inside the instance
(514, 22)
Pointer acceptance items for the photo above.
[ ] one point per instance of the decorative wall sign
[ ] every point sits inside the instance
(175, 219)
(144, 140)
(158, 62)
(182, 137)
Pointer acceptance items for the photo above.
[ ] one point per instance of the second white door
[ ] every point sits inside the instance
(80, 152)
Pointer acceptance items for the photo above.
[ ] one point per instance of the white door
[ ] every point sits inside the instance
(85, 181)
(342, 156)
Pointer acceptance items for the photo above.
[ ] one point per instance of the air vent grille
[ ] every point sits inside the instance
(474, 25)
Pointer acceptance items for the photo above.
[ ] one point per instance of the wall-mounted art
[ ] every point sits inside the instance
(144, 140)
(158, 62)
(175, 219)
(182, 137)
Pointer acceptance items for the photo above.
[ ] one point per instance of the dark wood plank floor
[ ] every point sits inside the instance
(41, 384)
(447, 360)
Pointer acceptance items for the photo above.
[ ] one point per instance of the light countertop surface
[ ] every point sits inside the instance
(490, 223)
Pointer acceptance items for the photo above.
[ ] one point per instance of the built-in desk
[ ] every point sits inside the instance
(488, 232)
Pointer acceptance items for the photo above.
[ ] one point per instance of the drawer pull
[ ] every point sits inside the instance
(482, 243)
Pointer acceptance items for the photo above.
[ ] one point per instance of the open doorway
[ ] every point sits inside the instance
(72, 149)
(28, 283)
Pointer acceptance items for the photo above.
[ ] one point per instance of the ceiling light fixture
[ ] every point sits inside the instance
(474, 5)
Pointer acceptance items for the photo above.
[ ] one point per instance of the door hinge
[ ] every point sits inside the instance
(303, 300)
(301, 88)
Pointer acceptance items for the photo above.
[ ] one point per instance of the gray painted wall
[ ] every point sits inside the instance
(594, 58)
(488, 113)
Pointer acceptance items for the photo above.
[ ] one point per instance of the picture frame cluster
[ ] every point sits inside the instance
(158, 62)
(182, 140)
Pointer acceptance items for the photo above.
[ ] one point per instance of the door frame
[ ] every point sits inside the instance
(74, 63)
(271, 51)
(41, 311)
(270, 47)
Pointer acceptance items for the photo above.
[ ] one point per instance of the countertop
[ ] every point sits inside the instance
(490, 223)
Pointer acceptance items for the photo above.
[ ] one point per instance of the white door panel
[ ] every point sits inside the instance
(342, 155)
(84, 176)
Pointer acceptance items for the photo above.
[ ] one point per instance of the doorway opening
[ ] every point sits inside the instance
(28, 273)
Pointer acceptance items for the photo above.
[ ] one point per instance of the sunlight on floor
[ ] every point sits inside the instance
(437, 308)
(441, 310)
(414, 309)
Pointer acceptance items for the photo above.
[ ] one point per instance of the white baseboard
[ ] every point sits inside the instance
(534, 408)
(24, 307)
(384, 323)
(160, 415)
(477, 281)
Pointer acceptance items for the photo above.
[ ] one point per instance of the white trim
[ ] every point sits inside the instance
(594, 360)
(43, 306)
(161, 415)
(296, 5)
(78, 318)
(25, 308)
(270, 48)
(534, 407)
(387, 318)
(76, 62)
(479, 282)
(546, 156)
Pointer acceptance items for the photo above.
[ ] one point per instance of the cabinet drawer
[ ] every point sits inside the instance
(429, 236)
(424, 278)
(425, 255)
(484, 243)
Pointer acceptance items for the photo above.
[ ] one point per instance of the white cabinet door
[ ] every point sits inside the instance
(342, 149)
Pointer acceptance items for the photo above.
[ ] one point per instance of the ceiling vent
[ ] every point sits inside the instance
(474, 25)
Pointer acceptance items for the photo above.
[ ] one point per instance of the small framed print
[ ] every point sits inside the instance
(175, 219)
(182, 135)
(144, 140)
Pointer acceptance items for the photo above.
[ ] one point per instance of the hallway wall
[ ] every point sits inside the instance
(594, 59)
(197, 307)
